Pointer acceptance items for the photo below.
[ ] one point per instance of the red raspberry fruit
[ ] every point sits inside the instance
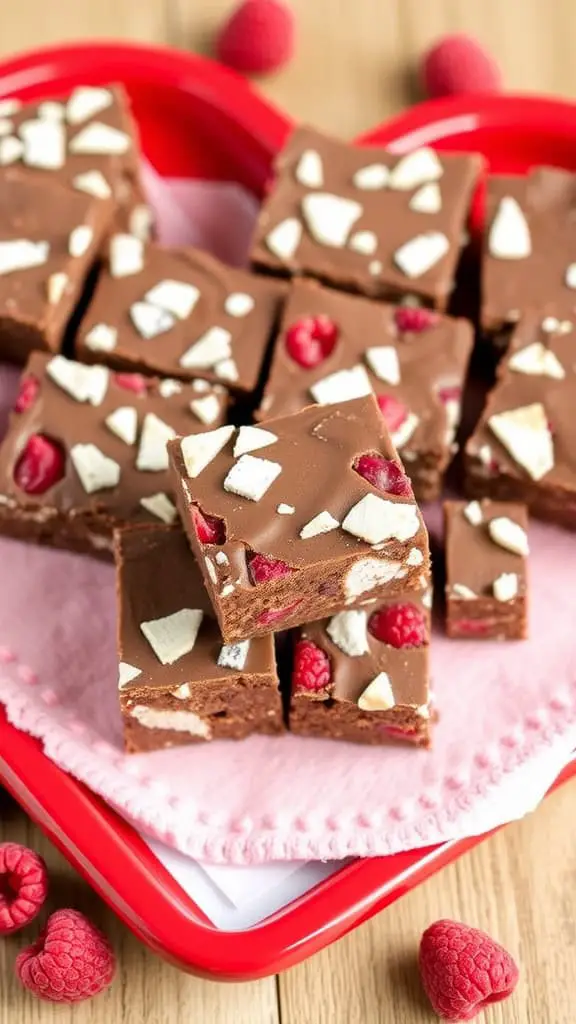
(393, 410)
(276, 614)
(311, 668)
(463, 970)
(415, 319)
(209, 529)
(458, 64)
(131, 382)
(70, 961)
(257, 37)
(262, 569)
(40, 466)
(27, 393)
(311, 340)
(23, 886)
(399, 625)
(384, 474)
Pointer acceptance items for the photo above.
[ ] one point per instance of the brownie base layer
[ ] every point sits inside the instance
(81, 534)
(551, 504)
(487, 619)
(342, 720)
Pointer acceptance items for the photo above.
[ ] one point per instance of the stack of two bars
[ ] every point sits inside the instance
(308, 523)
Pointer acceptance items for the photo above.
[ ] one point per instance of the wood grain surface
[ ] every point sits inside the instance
(355, 66)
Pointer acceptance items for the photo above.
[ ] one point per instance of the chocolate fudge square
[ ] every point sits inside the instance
(49, 238)
(333, 346)
(86, 140)
(292, 520)
(486, 570)
(178, 682)
(363, 674)
(366, 220)
(179, 313)
(529, 249)
(85, 451)
(524, 446)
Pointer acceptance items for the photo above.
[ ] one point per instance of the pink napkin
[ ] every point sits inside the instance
(504, 708)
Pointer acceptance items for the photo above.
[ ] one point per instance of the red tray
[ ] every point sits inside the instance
(199, 120)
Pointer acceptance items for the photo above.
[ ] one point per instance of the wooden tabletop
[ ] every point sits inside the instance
(355, 67)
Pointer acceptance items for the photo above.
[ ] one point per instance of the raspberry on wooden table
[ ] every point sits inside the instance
(384, 474)
(415, 319)
(263, 569)
(257, 37)
(393, 410)
(463, 970)
(311, 340)
(311, 668)
(459, 64)
(40, 466)
(399, 625)
(29, 387)
(70, 961)
(209, 529)
(23, 886)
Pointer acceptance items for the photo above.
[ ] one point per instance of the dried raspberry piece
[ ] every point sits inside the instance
(23, 886)
(395, 733)
(40, 466)
(257, 37)
(384, 474)
(132, 382)
(70, 961)
(29, 388)
(393, 410)
(276, 614)
(209, 529)
(311, 669)
(415, 319)
(399, 625)
(470, 627)
(262, 569)
(311, 340)
(453, 393)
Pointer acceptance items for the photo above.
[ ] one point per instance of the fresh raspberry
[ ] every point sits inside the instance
(463, 970)
(40, 466)
(311, 668)
(262, 569)
(23, 886)
(131, 382)
(209, 529)
(384, 474)
(70, 961)
(276, 614)
(393, 410)
(399, 625)
(27, 393)
(311, 340)
(458, 64)
(415, 319)
(257, 37)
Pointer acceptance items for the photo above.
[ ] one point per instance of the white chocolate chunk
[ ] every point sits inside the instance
(126, 673)
(44, 144)
(169, 387)
(322, 523)
(251, 477)
(126, 255)
(83, 383)
(309, 171)
(98, 138)
(414, 557)
(149, 320)
(96, 471)
(182, 692)
(140, 222)
(509, 235)
(234, 655)
(87, 101)
(368, 573)
(375, 267)
(427, 199)
(348, 631)
(11, 150)
(550, 324)
(6, 126)
(9, 107)
(505, 588)
(101, 338)
(285, 510)
(570, 279)
(525, 434)
(403, 434)
(123, 422)
(211, 571)
(80, 240)
(463, 592)
(372, 177)
(226, 369)
(213, 347)
(198, 450)
(173, 636)
(51, 111)
(227, 589)
(421, 253)
(378, 695)
(416, 168)
(509, 535)
(56, 286)
(342, 386)
(94, 183)
(473, 513)
(284, 239)
(329, 218)
(485, 454)
(364, 242)
(537, 361)
(21, 254)
(207, 409)
(221, 558)
(249, 439)
(238, 304)
(374, 520)
(177, 721)
(152, 453)
(159, 505)
(384, 363)
(176, 297)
